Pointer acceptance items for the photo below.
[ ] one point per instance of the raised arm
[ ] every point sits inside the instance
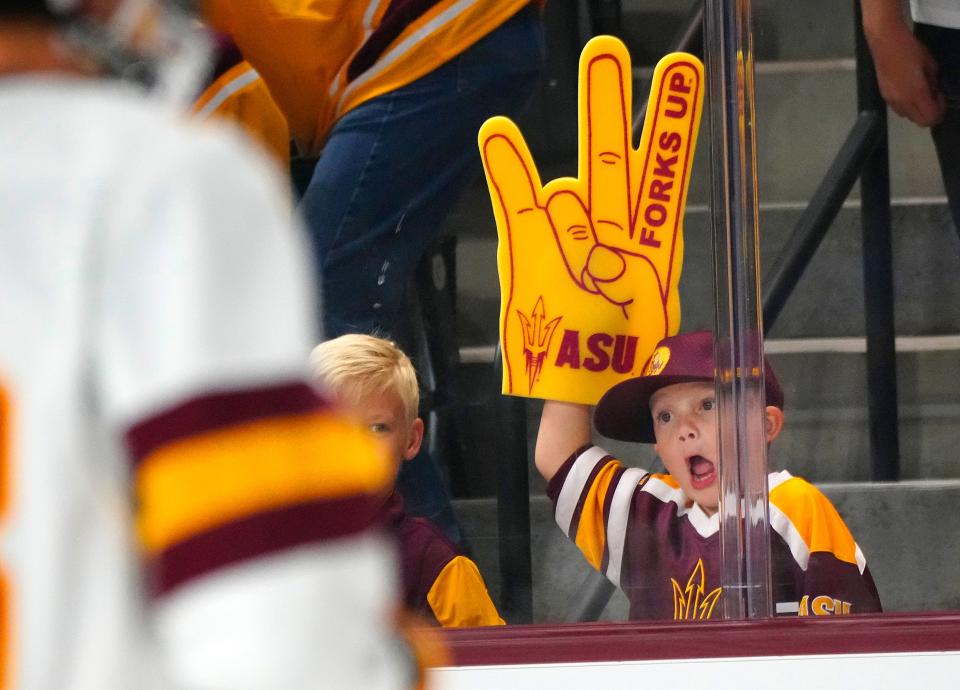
(564, 427)
(906, 71)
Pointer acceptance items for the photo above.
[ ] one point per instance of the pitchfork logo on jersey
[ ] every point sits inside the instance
(537, 334)
(691, 603)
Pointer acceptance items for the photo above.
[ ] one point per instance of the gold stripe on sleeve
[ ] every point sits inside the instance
(591, 530)
(815, 518)
(192, 485)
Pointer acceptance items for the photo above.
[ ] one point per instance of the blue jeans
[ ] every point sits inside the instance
(393, 168)
(389, 174)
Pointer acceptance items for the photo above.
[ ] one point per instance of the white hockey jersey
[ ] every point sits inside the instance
(155, 314)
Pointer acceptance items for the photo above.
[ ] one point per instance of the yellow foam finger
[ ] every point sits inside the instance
(605, 105)
(664, 164)
(512, 176)
(584, 303)
(574, 232)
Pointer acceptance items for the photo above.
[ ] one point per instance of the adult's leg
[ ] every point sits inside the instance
(393, 168)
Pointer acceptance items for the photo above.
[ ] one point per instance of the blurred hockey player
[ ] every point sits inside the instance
(174, 512)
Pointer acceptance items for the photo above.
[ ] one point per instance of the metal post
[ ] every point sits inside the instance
(513, 506)
(878, 275)
(744, 524)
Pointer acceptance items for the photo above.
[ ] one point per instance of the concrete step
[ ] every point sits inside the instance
(805, 100)
(782, 30)
(804, 112)
(889, 522)
(828, 300)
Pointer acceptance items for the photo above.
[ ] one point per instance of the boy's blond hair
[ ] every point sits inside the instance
(360, 365)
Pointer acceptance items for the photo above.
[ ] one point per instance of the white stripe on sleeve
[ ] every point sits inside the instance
(786, 529)
(286, 620)
(618, 519)
(861, 559)
(240, 81)
(574, 484)
(401, 49)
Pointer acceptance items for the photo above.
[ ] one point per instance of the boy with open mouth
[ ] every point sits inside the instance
(656, 536)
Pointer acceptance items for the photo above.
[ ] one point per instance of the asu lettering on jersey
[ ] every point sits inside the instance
(647, 537)
(231, 476)
(322, 58)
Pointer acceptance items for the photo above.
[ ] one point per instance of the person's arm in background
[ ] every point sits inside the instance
(906, 71)
(564, 427)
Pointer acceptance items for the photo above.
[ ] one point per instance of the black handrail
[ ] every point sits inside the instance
(878, 274)
(513, 502)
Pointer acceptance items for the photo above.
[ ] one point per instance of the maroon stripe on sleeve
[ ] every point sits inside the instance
(261, 534)
(219, 410)
(578, 510)
(398, 17)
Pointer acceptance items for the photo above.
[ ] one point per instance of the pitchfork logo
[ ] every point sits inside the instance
(690, 604)
(537, 334)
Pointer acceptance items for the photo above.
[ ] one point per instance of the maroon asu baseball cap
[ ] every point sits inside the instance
(624, 411)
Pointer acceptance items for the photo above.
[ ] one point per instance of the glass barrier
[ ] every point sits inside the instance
(738, 350)
(775, 230)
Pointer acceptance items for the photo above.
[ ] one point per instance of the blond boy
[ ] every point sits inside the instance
(657, 535)
(375, 380)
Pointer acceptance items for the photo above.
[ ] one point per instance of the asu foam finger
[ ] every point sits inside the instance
(583, 302)
(605, 136)
(667, 145)
(628, 292)
(575, 236)
(511, 173)
(605, 265)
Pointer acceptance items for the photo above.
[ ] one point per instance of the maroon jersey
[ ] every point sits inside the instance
(663, 550)
(437, 580)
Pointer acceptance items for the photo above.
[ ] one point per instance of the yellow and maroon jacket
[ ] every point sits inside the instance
(438, 581)
(237, 93)
(322, 58)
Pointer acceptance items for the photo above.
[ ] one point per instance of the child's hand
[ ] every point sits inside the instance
(589, 267)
